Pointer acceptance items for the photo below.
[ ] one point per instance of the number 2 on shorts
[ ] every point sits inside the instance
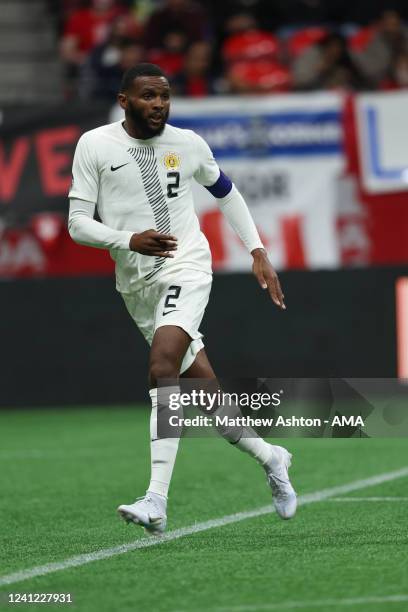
(173, 294)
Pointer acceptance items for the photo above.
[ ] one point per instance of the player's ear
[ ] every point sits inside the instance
(122, 99)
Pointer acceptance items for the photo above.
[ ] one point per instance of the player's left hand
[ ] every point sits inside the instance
(267, 277)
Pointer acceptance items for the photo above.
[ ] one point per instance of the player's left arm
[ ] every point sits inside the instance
(234, 207)
(236, 211)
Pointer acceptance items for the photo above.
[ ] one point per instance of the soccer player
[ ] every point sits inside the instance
(138, 173)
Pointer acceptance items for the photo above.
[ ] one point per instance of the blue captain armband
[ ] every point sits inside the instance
(222, 187)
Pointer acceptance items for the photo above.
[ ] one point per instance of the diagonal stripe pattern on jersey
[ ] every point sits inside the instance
(147, 163)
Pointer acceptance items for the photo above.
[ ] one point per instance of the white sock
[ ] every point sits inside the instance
(163, 452)
(255, 446)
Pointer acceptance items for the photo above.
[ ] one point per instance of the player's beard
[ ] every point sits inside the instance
(142, 123)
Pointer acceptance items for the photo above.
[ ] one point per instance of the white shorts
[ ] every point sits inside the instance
(178, 299)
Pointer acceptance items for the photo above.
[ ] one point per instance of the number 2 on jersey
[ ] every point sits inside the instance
(172, 186)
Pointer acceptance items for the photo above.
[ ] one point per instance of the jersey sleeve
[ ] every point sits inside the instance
(85, 174)
(207, 172)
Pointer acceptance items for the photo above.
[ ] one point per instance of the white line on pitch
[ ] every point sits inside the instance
(319, 603)
(106, 553)
(368, 499)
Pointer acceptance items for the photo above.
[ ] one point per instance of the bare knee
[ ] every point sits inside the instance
(169, 346)
(163, 364)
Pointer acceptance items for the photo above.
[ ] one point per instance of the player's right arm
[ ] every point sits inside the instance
(82, 226)
(84, 229)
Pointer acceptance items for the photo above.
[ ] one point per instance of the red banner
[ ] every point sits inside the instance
(44, 248)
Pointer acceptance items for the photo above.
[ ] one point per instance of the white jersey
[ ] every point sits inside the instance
(146, 184)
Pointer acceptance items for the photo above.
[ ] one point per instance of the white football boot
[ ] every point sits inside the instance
(148, 511)
(283, 494)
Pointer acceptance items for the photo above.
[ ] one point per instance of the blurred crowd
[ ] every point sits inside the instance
(234, 46)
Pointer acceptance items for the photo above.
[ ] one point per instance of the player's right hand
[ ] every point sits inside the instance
(153, 243)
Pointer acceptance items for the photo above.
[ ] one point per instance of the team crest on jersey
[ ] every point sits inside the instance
(172, 161)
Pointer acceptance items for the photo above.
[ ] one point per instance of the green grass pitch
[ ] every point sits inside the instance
(64, 472)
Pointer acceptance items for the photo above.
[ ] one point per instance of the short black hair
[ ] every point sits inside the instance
(139, 70)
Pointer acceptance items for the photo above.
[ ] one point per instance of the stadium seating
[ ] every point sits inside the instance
(305, 38)
(253, 45)
(261, 76)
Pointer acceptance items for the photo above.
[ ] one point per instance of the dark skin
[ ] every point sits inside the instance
(147, 104)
